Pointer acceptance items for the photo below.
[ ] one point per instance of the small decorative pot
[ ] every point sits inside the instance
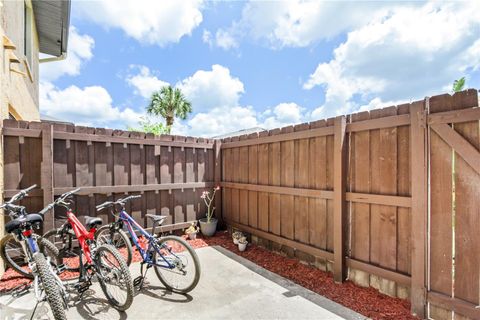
(208, 228)
(242, 246)
(192, 235)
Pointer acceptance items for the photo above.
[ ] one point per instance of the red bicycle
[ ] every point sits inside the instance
(103, 261)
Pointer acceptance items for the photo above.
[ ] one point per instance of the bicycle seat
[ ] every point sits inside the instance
(156, 218)
(92, 222)
(16, 223)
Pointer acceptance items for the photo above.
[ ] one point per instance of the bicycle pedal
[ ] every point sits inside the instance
(138, 281)
(61, 268)
(81, 287)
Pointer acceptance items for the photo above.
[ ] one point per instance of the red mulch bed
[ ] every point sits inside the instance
(366, 301)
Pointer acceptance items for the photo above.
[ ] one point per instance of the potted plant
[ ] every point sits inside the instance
(192, 231)
(242, 243)
(208, 225)
(236, 236)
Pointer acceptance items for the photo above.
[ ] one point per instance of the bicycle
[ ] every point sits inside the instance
(101, 261)
(47, 285)
(175, 262)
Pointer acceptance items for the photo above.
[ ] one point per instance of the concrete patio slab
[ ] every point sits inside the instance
(230, 287)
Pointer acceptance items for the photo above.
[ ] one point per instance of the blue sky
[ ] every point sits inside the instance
(267, 64)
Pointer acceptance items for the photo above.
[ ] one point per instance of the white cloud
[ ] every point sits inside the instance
(78, 105)
(299, 23)
(149, 22)
(80, 47)
(282, 115)
(223, 39)
(144, 82)
(410, 53)
(212, 89)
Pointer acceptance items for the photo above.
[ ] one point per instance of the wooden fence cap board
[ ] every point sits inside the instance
(403, 108)
(330, 122)
(164, 137)
(191, 139)
(243, 137)
(263, 133)
(465, 99)
(286, 129)
(253, 135)
(274, 132)
(318, 124)
(10, 123)
(360, 116)
(301, 127)
(440, 103)
(236, 138)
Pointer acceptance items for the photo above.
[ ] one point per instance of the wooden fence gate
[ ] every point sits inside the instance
(454, 219)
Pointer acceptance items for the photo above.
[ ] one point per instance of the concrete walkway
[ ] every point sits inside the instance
(230, 288)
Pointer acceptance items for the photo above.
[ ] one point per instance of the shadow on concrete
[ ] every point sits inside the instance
(159, 292)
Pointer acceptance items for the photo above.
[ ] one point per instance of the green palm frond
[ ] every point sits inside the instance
(458, 84)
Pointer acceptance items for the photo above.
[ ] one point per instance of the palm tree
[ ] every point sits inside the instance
(169, 103)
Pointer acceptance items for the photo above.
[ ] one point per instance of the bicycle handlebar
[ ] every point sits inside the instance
(59, 200)
(20, 195)
(10, 206)
(107, 204)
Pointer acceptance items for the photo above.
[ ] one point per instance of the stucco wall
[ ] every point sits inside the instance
(18, 92)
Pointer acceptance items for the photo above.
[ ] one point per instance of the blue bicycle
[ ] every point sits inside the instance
(175, 262)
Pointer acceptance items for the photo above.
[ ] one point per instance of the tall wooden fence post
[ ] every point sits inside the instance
(339, 207)
(46, 178)
(419, 206)
(218, 178)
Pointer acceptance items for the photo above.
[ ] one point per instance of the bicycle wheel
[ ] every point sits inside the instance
(49, 284)
(69, 252)
(177, 264)
(114, 277)
(118, 239)
(12, 253)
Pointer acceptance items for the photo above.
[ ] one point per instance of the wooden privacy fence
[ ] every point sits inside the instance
(170, 171)
(390, 195)
(354, 190)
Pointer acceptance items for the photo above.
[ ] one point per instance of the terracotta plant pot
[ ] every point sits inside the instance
(208, 228)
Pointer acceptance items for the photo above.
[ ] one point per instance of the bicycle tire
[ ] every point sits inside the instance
(9, 260)
(105, 231)
(196, 262)
(52, 291)
(50, 236)
(125, 273)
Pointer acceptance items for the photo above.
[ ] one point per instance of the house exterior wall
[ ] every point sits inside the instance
(18, 92)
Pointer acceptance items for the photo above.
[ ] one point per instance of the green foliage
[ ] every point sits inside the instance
(458, 84)
(147, 126)
(169, 103)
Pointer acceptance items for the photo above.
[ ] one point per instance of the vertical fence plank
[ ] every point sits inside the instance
(235, 194)
(301, 172)
(179, 177)
(317, 212)
(137, 173)
(253, 179)
(227, 172)
(218, 178)
(263, 209)
(467, 210)
(330, 174)
(190, 172)
(360, 220)
(243, 178)
(285, 154)
(419, 206)
(274, 172)
(47, 173)
(339, 159)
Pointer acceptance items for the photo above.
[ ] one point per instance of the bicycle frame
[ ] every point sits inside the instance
(131, 225)
(83, 236)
